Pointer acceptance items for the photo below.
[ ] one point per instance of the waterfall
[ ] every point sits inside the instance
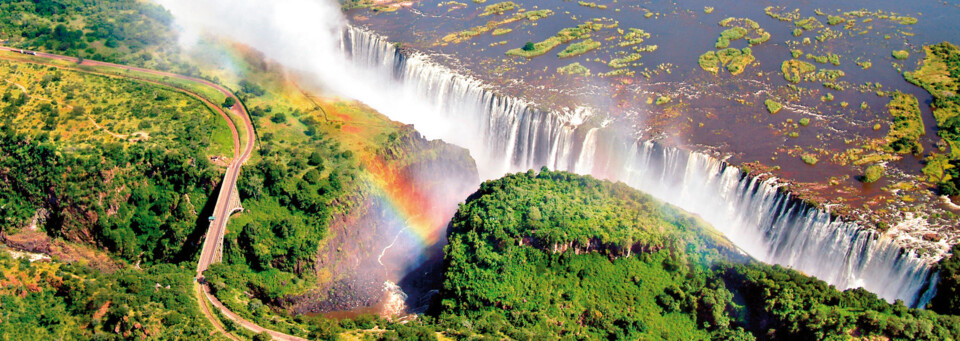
(507, 134)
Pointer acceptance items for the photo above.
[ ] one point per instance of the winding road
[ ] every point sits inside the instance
(222, 210)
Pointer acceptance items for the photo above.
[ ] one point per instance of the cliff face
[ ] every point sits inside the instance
(411, 189)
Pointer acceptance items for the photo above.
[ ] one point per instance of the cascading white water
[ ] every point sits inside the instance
(507, 134)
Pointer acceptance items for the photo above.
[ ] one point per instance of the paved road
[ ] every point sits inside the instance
(222, 211)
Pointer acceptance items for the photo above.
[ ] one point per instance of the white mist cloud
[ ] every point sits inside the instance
(305, 35)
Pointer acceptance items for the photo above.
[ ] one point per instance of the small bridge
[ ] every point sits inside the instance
(233, 206)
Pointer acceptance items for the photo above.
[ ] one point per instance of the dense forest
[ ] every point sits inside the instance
(125, 31)
(55, 301)
(115, 163)
(521, 266)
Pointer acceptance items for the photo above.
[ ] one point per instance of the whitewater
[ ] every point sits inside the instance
(508, 134)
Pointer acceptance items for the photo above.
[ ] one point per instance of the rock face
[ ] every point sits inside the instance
(395, 235)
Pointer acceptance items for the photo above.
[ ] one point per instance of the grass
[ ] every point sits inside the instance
(795, 71)
(121, 106)
(574, 69)
(907, 124)
(873, 173)
(502, 31)
(773, 106)
(467, 34)
(498, 8)
(539, 48)
(710, 62)
(565, 35)
(739, 28)
(624, 61)
(633, 37)
(579, 48)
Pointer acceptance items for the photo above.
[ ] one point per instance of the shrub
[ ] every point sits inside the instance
(809, 159)
(873, 173)
(772, 106)
(901, 54)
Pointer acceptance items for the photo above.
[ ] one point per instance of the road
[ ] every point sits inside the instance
(222, 210)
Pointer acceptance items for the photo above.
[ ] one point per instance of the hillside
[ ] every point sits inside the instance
(51, 300)
(548, 254)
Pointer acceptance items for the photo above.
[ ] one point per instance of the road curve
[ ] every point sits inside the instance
(222, 211)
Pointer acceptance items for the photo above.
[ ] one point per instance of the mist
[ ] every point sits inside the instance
(507, 134)
(306, 36)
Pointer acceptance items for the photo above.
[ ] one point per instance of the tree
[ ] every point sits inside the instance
(262, 336)
(528, 46)
(229, 102)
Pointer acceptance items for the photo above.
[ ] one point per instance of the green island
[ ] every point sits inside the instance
(574, 69)
(579, 48)
(797, 70)
(907, 128)
(940, 75)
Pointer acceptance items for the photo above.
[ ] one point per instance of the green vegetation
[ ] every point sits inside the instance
(808, 24)
(735, 60)
(947, 300)
(796, 70)
(531, 50)
(501, 31)
(940, 76)
(579, 48)
(901, 54)
(773, 106)
(539, 255)
(663, 100)
(873, 173)
(906, 124)
(828, 58)
(574, 69)
(809, 159)
(51, 300)
(708, 10)
(124, 31)
(835, 20)
(710, 62)
(633, 37)
(739, 28)
(624, 61)
(591, 5)
(780, 14)
(467, 34)
(727, 35)
(804, 121)
(498, 8)
(565, 35)
(119, 163)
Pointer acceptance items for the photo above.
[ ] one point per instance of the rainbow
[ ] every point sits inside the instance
(423, 215)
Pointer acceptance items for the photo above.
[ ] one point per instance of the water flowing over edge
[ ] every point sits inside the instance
(506, 134)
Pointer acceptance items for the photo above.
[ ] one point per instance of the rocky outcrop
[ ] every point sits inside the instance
(411, 189)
